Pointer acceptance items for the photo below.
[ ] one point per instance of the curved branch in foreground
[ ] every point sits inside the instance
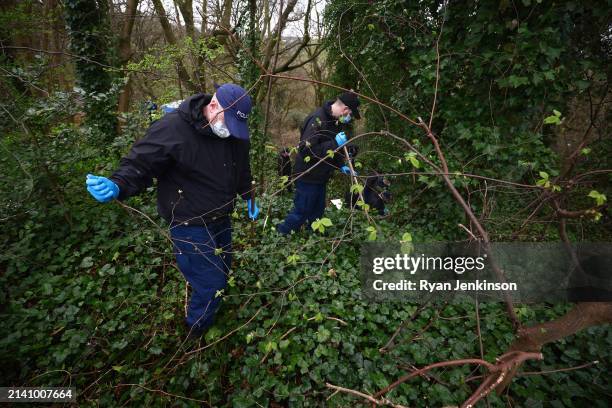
(582, 316)
(498, 372)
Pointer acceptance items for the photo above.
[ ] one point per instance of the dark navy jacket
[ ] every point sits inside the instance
(318, 135)
(198, 174)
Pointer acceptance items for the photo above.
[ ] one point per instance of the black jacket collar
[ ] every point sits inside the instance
(327, 110)
(191, 110)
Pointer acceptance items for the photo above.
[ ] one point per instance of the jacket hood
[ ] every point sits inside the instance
(191, 111)
(327, 109)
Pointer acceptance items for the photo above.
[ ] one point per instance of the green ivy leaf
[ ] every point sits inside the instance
(317, 226)
(371, 233)
(323, 334)
(544, 180)
(411, 156)
(361, 204)
(326, 222)
(212, 334)
(406, 237)
(356, 188)
(271, 346)
(87, 262)
(599, 198)
(554, 119)
(292, 259)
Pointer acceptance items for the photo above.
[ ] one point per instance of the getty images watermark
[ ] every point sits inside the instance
(422, 263)
(530, 272)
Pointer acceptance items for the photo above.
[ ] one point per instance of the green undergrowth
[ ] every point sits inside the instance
(99, 306)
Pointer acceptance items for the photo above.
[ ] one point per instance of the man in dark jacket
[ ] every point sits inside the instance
(321, 134)
(199, 155)
(375, 194)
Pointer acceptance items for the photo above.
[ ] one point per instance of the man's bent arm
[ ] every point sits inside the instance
(313, 144)
(148, 158)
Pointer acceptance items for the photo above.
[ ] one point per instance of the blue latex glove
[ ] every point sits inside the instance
(341, 138)
(101, 188)
(347, 170)
(253, 212)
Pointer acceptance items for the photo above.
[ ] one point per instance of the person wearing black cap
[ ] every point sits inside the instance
(321, 133)
(199, 154)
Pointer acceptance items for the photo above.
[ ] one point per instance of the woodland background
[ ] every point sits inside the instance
(490, 119)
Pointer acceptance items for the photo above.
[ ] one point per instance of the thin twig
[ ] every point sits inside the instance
(382, 401)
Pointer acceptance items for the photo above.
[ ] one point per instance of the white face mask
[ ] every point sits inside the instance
(345, 118)
(220, 130)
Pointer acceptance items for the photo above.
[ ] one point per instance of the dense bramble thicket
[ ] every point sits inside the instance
(90, 295)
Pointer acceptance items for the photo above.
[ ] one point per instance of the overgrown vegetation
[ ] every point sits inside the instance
(91, 296)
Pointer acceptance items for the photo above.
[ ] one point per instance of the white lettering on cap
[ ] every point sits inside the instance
(242, 115)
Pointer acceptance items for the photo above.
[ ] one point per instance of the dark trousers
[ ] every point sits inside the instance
(206, 272)
(308, 205)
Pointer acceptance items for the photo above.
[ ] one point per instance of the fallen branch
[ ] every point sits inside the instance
(504, 367)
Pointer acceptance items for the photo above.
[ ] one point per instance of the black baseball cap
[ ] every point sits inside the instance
(351, 100)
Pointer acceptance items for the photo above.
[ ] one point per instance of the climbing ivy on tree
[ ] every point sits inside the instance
(92, 41)
(249, 73)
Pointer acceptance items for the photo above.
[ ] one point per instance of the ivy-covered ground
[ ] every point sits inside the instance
(92, 298)
(515, 92)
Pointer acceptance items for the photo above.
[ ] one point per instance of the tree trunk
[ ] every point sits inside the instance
(186, 7)
(171, 39)
(280, 26)
(125, 52)
(89, 27)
